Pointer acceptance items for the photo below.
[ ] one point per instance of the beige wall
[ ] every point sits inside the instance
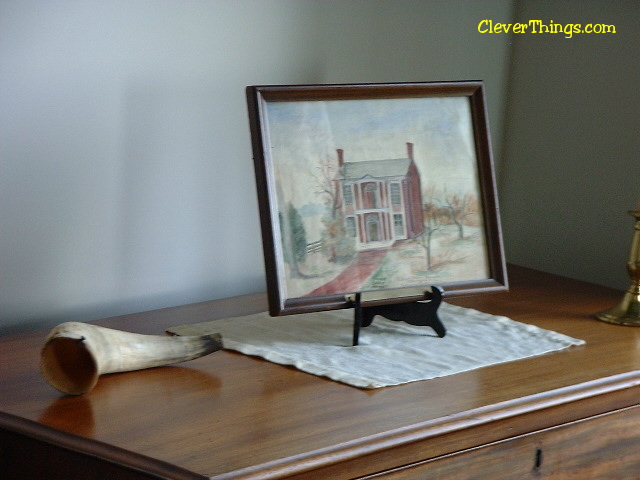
(571, 158)
(126, 179)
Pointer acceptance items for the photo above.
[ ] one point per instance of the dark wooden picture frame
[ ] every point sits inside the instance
(380, 188)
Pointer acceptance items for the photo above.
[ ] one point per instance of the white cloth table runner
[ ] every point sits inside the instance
(389, 352)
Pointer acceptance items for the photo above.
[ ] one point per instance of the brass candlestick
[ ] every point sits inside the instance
(628, 311)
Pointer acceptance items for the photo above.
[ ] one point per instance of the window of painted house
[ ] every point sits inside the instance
(347, 194)
(396, 199)
(351, 226)
(398, 224)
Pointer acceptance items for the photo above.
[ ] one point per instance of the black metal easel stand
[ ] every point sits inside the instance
(421, 313)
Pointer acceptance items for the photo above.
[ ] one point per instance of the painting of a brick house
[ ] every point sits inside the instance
(380, 200)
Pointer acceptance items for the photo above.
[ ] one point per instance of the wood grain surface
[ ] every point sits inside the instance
(233, 416)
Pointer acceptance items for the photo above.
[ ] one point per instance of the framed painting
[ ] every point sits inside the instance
(382, 189)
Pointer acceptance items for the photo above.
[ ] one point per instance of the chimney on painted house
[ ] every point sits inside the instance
(410, 150)
(340, 156)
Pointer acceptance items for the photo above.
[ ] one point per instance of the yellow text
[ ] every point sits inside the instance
(538, 26)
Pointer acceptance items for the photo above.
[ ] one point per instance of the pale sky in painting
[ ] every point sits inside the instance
(303, 134)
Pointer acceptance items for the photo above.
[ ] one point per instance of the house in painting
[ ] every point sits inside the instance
(380, 200)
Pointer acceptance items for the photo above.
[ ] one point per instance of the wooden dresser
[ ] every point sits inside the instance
(572, 414)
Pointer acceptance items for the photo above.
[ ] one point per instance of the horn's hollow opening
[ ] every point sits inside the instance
(68, 366)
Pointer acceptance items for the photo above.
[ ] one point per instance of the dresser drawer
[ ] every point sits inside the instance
(602, 447)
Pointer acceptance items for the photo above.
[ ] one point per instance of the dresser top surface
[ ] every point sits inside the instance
(231, 413)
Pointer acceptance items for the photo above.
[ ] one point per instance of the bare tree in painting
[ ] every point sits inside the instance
(432, 223)
(324, 185)
(336, 242)
(460, 209)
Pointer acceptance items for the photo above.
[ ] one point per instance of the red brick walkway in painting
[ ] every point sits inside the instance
(354, 276)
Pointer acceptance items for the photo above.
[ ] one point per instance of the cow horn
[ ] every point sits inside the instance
(75, 354)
